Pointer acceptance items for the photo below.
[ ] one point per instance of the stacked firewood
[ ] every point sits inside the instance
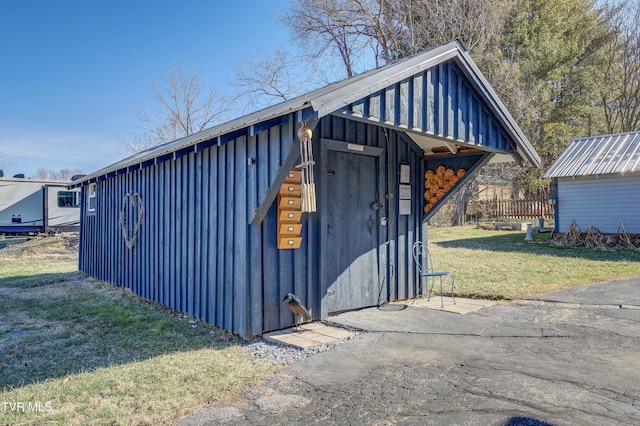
(438, 182)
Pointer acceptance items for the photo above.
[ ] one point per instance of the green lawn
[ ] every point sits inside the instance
(501, 265)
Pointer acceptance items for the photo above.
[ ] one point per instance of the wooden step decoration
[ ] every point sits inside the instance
(290, 211)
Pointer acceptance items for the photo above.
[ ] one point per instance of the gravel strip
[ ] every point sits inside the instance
(279, 354)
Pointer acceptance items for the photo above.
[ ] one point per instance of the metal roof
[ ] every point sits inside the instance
(36, 180)
(598, 155)
(331, 98)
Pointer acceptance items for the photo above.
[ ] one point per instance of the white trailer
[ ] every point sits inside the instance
(33, 205)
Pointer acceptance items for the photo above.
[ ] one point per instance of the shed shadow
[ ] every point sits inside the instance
(56, 325)
(514, 243)
(29, 281)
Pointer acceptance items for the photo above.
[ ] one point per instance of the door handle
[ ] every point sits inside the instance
(372, 224)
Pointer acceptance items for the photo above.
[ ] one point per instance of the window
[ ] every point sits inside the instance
(91, 198)
(68, 199)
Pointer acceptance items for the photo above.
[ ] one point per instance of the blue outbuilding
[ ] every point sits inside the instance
(220, 225)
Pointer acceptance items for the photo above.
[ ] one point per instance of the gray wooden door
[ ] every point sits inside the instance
(352, 231)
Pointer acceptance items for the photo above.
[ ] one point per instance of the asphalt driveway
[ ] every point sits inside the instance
(568, 358)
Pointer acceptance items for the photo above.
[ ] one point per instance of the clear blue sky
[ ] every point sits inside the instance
(74, 71)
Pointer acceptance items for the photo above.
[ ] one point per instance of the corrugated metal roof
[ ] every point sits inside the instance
(331, 98)
(598, 155)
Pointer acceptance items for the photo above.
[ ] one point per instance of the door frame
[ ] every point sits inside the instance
(327, 145)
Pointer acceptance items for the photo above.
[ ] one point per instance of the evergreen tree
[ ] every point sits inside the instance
(550, 49)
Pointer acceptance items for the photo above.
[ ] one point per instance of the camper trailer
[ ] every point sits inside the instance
(32, 205)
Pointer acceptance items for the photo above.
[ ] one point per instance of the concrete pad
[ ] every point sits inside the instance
(462, 306)
(418, 366)
(620, 292)
(309, 335)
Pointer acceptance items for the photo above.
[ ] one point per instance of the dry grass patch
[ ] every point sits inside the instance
(74, 350)
(156, 391)
(40, 259)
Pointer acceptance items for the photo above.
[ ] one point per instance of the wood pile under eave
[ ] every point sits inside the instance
(438, 182)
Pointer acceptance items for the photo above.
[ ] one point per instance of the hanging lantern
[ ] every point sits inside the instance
(308, 183)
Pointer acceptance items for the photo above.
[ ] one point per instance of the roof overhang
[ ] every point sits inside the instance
(347, 96)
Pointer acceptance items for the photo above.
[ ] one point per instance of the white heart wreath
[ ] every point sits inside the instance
(130, 201)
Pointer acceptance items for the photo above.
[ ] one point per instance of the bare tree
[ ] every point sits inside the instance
(62, 174)
(184, 107)
(320, 26)
(347, 28)
(619, 88)
(268, 79)
(477, 24)
(277, 76)
(386, 30)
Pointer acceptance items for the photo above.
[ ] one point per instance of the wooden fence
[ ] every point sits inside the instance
(528, 208)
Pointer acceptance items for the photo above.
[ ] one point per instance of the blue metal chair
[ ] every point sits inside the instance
(422, 258)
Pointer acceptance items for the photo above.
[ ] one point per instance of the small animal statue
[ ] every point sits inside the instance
(298, 309)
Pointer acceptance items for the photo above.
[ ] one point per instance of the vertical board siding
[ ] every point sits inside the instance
(254, 262)
(228, 224)
(419, 99)
(601, 202)
(199, 258)
(439, 102)
(397, 274)
(211, 224)
(195, 251)
(240, 261)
